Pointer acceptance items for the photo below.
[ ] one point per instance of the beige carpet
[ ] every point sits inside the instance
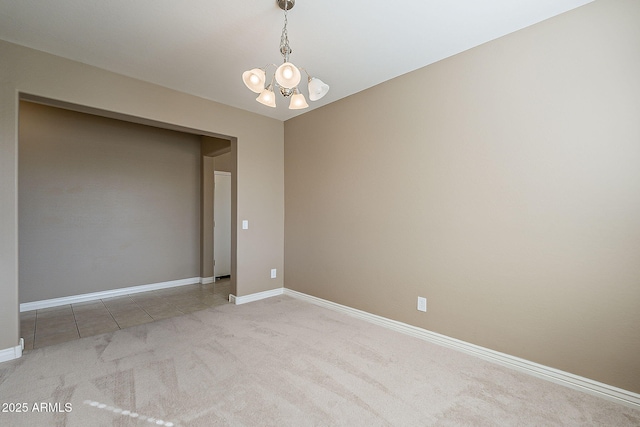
(281, 362)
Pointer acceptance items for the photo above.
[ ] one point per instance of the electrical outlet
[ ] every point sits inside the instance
(422, 304)
(274, 273)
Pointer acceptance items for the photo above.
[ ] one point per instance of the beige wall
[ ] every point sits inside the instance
(503, 184)
(259, 160)
(223, 163)
(104, 204)
(206, 217)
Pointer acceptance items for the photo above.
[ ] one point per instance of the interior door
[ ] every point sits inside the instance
(222, 228)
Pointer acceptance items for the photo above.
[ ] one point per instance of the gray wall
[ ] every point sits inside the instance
(104, 204)
(503, 184)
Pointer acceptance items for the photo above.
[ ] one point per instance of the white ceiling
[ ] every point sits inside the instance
(201, 47)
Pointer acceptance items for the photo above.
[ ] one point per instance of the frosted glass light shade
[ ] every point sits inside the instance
(288, 75)
(297, 101)
(267, 97)
(254, 79)
(317, 89)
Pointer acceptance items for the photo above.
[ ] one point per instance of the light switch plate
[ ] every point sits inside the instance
(245, 224)
(422, 304)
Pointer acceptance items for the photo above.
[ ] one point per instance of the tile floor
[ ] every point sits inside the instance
(54, 325)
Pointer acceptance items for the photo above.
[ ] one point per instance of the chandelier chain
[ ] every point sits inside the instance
(285, 50)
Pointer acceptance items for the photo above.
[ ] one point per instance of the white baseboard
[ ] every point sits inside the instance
(56, 302)
(255, 297)
(11, 353)
(207, 280)
(606, 391)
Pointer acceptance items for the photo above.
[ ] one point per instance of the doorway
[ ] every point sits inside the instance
(118, 197)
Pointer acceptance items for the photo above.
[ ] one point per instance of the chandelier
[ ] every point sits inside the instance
(287, 76)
